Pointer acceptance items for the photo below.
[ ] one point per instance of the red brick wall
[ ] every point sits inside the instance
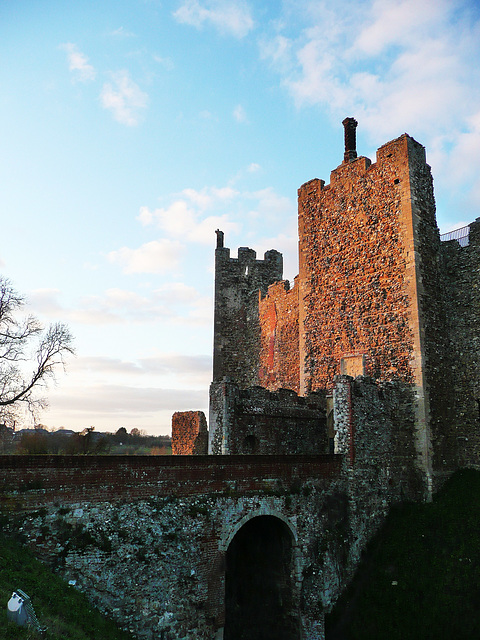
(279, 351)
(189, 433)
(27, 481)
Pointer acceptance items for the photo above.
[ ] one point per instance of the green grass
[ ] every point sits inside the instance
(66, 613)
(420, 576)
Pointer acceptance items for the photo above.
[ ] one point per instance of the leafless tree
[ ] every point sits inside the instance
(29, 354)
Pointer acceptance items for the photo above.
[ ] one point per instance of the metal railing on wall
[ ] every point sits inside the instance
(460, 235)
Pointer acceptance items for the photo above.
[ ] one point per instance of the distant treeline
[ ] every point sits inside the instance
(42, 441)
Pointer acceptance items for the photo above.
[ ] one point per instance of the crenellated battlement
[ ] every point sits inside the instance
(239, 285)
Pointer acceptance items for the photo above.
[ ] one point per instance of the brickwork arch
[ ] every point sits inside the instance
(264, 510)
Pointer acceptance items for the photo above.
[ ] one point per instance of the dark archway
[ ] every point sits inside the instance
(259, 583)
(250, 445)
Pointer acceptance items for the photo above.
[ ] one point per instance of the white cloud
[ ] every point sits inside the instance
(395, 65)
(269, 204)
(94, 402)
(157, 256)
(45, 301)
(228, 16)
(173, 302)
(239, 114)
(121, 32)
(186, 218)
(391, 23)
(124, 98)
(253, 167)
(78, 63)
(196, 214)
(195, 368)
(167, 63)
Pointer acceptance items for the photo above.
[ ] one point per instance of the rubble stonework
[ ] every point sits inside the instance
(461, 269)
(279, 366)
(146, 537)
(257, 421)
(189, 433)
(238, 283)
(377, 295)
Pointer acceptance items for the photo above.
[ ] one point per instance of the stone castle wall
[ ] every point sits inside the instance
(238, 284)
(257, 421)
(189, 433)
(146, 537)
(461, 270)
(353, 270)
(279, 353)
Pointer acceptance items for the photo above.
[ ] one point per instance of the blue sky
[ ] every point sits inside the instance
(131, 130)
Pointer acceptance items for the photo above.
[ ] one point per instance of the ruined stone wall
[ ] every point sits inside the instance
(189, 433)
(239, 283)
(257, 421)
(157, 566)
(461, 269)
(155, 562)
(279, 354)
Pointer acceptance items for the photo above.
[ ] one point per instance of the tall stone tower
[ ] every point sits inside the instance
(368, 280)
(239, 284)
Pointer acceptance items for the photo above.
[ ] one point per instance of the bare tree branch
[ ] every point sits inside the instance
(16, 337)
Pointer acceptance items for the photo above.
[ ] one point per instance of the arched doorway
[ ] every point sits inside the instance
(259, 583)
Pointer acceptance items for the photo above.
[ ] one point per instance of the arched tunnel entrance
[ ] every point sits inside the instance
(259, 583)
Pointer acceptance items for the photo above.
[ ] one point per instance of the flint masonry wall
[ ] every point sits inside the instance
(238, 284)
(149, 548)
(189, 433)
(257, 421)
(279, 353)
(368, 278)
(461, 269)
(146, 537)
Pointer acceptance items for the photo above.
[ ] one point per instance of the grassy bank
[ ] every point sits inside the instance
(420, 576)
(60, 607)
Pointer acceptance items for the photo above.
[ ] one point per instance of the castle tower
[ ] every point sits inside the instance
(368, 283)
(239, 282)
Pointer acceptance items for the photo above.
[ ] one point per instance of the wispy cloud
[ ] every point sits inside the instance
(121, 32)
(193, 217)
(172, 302)
(167, 62)
(187, 217)
(78, 63)
(124, 98)
(157, 256)
(232, 17)
(396, 65)
(104, 400)
(239, 114)
(189, 368)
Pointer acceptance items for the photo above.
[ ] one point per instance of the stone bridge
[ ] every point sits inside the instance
(220, 546)
(197, 546)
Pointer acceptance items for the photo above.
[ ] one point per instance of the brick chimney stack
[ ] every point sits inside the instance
(350, 125)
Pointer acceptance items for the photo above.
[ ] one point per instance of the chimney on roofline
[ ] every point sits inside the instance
(350, 125)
